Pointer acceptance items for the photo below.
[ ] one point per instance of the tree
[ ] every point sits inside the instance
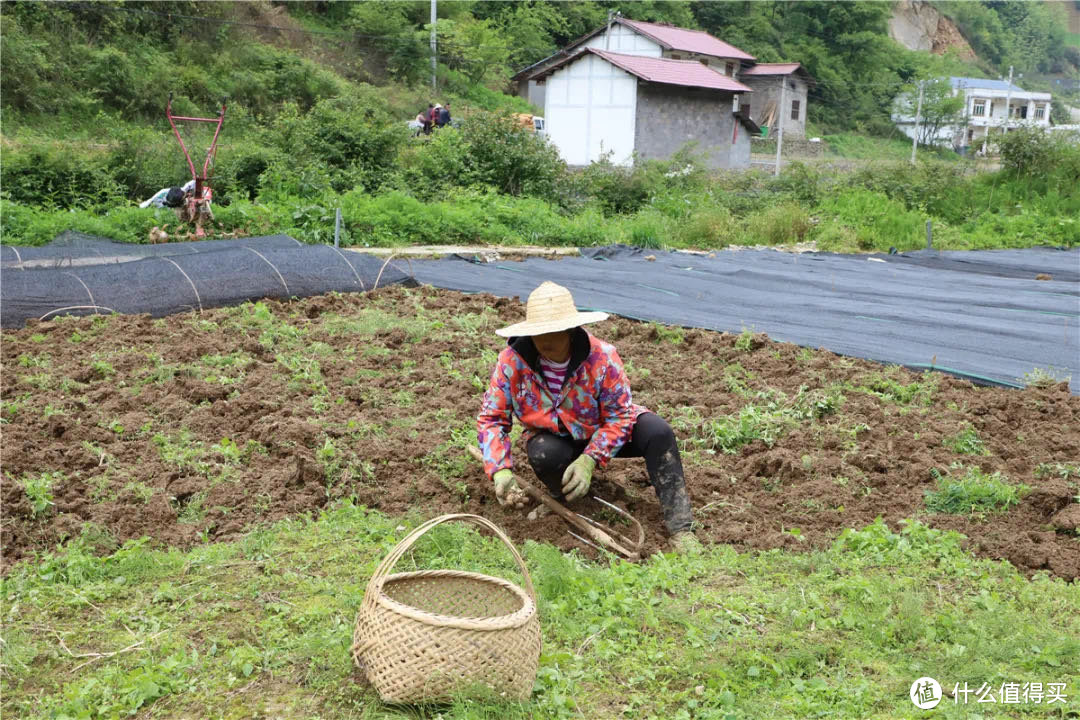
(474, 48)
(941, 109)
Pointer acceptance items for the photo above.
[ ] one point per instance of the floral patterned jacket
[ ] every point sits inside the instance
(594, 404)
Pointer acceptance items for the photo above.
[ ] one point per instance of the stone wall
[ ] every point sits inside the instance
(793, 147)
(767, 91)
(669, 116)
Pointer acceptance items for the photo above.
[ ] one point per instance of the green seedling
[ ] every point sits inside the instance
(966, 442)
(38, 489)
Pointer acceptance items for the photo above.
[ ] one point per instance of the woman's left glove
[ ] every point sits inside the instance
(578, 477)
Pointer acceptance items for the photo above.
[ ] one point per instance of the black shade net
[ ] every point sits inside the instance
(981, 315)
(180, 277)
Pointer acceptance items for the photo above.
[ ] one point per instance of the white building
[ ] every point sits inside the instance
(985, 112)
(601, 104)
(634, 37)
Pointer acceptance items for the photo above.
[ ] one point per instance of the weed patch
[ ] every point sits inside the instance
(973, 492)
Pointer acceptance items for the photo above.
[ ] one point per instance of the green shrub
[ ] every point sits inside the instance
(776, 225)
(261, 77)
(801, 181)
(488, 149)
(1034, 151)
(58, 175)
(617, 189)
(27, 65)
(466, 216)
(869, 218)
(648, 230)
(710, 226)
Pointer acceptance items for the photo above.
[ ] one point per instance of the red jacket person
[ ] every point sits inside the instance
(570, 392)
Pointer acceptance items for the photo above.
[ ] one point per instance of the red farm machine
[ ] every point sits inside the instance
(196, 206)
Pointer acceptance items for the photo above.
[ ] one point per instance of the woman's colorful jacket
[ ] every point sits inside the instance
(594, 404)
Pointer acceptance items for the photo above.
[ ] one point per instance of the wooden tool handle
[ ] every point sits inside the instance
(592, 532)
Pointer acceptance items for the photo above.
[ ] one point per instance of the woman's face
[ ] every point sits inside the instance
(553, 346)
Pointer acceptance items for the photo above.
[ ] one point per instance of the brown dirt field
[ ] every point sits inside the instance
(195, 428)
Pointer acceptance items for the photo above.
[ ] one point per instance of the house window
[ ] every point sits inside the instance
(980, 107)
(1040, 112)
(729, 69)
(794, 109)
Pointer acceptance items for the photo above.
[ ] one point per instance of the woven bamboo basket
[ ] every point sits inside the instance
(429, 635)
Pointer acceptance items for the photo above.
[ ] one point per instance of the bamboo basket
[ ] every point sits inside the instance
(432, 634)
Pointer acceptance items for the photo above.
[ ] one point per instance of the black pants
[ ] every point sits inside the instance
(652, 439)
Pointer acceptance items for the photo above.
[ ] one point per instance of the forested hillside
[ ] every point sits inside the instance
(319, 94)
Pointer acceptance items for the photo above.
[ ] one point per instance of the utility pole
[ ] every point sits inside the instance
(607, 36)
(780, 124)
(433, 42)
(918, 112)
(967, 107)
(1008, 100)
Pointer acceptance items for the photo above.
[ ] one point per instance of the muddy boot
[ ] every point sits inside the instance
(671, 492)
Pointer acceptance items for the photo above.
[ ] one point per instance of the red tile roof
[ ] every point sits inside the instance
(689, 73)
(695, 41)
(772, 69)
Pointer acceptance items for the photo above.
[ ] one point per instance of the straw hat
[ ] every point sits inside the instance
(550, 309)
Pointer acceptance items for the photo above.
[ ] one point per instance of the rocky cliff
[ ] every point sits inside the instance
(919, 26)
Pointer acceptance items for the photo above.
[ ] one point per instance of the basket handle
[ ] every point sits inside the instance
(375, 585)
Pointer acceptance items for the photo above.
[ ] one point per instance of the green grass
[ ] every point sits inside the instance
(973, 492)
(768, 418)
(864, 147)
(262, 627)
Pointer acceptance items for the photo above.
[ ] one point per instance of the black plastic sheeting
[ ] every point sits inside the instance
(182, 277)
(979, 314)
(75, 249)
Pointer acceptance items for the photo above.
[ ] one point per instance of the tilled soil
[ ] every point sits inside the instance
(198, 427)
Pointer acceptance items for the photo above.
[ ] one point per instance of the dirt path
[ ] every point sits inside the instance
(199, 427)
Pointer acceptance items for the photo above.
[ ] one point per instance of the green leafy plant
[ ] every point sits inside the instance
(1046, 377)
(973, 492)
(745, 341)
(966, 442)
(38, 489)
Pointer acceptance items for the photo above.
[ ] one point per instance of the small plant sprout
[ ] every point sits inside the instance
(38, 489)
(745, 341)
(966, 442)
(1046, 377)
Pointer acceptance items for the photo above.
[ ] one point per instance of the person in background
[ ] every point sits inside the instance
(422, 120)
(570, 392)
(433, 117)
(428, 115)
(444, 115)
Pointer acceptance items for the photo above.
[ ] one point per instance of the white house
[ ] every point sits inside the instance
(607, 104)
(644, 89)
(634, 37)
(985, 112)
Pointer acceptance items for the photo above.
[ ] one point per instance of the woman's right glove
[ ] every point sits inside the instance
(507, 491)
